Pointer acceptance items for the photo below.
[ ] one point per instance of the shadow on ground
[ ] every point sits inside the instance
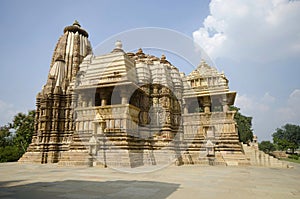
(118, 189)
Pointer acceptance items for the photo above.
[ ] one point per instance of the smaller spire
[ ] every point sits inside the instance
(118, 47)
(163, 59)
(76, 23)
(140, 51)
(118, 44)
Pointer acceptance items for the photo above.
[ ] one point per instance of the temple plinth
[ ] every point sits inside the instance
(130, 109)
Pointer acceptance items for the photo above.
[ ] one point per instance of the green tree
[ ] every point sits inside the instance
(5, 135)
(287, 137)
(16, 136)
(244, 125)
(24, 127)
(266, 146)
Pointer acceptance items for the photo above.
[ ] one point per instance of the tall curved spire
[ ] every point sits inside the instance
(71, 49)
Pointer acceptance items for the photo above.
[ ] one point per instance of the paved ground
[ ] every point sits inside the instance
(49, 181)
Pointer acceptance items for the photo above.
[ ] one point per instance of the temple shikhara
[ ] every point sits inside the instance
(130, 109)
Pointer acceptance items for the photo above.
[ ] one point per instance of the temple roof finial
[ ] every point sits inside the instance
(118, 44)
(76, 23)
(75, 27)
(163, 59)
(118, 47)
(140, 51)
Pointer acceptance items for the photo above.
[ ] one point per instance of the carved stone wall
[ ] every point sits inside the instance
(54, 113)
(131, 109)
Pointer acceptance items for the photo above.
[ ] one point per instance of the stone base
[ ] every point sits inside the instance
(31, 157)
(131, 158)
(119, 158)
(74, 158)
(235, 158)
(259, 158)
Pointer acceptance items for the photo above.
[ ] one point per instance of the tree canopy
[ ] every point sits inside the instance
(16, 136)
(244, 125)
(287, 137)
(266, 146)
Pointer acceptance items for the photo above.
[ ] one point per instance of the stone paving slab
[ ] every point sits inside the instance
(52, 181)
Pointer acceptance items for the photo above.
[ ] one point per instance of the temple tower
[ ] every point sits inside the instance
(131, 109)
(210, 130)
(54, 117)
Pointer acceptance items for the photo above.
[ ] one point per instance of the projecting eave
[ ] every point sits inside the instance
(110, 84)
(229, 95)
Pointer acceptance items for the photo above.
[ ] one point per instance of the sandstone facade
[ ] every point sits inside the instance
(125, 109)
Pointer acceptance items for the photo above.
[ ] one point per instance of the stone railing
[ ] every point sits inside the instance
(117, 111)
(109, 111)
(212, 117)
(119, 118)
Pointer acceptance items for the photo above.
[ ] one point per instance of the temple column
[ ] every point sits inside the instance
(84, 101)
(103, 97)
(124, 96)
(225, 107)
(207, 107)
(206, 104)
(225, 104)
(155, 95)
(103, 101)
(186, 108)
(99, 124)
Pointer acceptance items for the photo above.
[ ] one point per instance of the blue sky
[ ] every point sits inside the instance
(256, 43)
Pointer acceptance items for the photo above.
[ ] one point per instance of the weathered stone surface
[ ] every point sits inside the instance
(188, 181)
(131, 109)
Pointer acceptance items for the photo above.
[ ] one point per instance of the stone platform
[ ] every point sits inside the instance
(19, 180)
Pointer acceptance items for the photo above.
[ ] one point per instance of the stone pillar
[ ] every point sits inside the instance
(102, 126)
(206, 108)
(84, 101)
(206, 104)
(209, 148)
(185, 110)
(99, 125)
(155, 95)
(225, 104)
(103, 97)
(185, 107)
(103, 101)
(225, 108)
(124, 96)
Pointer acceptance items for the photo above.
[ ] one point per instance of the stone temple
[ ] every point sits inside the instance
(130, 109)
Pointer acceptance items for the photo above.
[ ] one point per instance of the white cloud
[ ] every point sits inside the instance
(244, 103)
(7, 111)
(267, 98)
(251, 105)
(291, 111)
(263, 30)
(267, 114)
(256, 34)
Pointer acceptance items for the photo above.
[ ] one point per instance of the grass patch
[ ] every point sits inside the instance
(291, 160)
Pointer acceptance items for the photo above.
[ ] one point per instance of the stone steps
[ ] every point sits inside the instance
(199, 159)
(31, 157)
(236, 158)
(259, 158)
(74, 158)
